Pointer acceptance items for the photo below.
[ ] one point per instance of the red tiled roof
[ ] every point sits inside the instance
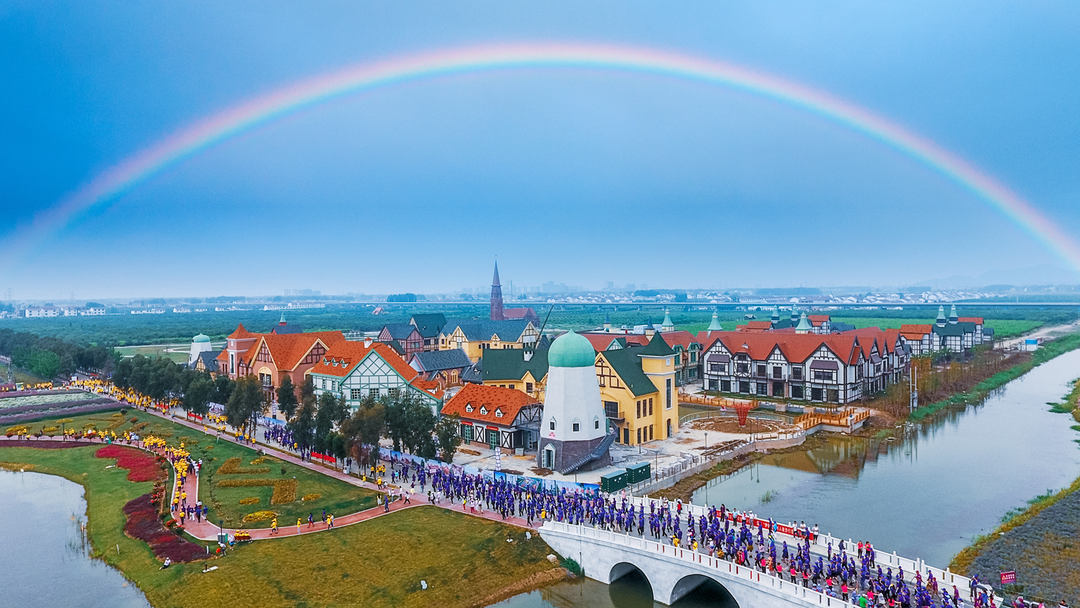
(509, 400)
(682, 338)
(287, 350)
(921, 330)
(978, 320)
(518, 313)
(601, 342)
(352, 353)
(816, 320)
(755, 326)
(242, 333)
(797, 348)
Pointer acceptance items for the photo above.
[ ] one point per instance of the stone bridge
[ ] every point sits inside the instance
(607, 556)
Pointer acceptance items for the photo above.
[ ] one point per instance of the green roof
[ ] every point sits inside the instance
(804, 325)
(657, 347)
(510, 364)
(627, 364)
(571, 350)
(201, 338)
(715, 324)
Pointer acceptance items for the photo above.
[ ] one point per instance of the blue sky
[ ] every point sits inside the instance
(575, 176)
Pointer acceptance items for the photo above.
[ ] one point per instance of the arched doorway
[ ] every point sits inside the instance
(700, 590)
(629, 587)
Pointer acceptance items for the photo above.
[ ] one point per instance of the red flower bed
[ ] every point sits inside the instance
(140, 465)
(143, 524)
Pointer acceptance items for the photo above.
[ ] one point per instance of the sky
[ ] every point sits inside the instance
(573, 175)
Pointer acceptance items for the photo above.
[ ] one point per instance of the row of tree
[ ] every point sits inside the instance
(48, 357)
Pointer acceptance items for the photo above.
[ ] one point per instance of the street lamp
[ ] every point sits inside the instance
(706, 440)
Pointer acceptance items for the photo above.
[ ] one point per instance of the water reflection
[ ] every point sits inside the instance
(46, 558)
(630, 591)
(936, 485)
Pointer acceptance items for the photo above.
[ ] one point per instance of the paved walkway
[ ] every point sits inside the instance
(208, 531)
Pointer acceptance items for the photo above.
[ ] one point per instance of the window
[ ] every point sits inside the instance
(678, 361)
(725, 386)
(639, 409)
(761, 370)
(815, 394)
(483, 410)
(265, 379)
(528, 387)
(714, 385)
(833, 394)
(693, 357)
(796, 373)
(650, 406)
(777, 372)
(742, 368)
(827, 375)
(744, 386)
(667, 404)
(551, 425)
(650, 432)
(513, 386)
(611, 409)
(596, 423)
(393, 392)
(714, 367)
(498, 413)
(468, 407)
(777, 389)
(626, 436)
(639, 435)
(796, 392)
(355, 393)
(577, 427)
(466, 433)
(761, 388)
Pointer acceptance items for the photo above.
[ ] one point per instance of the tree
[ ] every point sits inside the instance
(223, 388)
(410, 423)
(363, 429)
(245, 403)
(332, 410)
(197, 395)
(448, 437)
(286, 398)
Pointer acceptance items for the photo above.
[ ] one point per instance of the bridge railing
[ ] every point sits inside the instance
(822, 541)
(701, 561)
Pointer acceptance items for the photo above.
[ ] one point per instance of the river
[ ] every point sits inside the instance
(46, 558)
(926, 494)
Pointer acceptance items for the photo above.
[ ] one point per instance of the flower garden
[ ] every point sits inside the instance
(22, 407)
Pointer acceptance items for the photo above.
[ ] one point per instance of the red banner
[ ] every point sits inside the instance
(1008, 578)
(323, 457)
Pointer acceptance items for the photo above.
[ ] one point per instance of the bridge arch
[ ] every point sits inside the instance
(691, 582)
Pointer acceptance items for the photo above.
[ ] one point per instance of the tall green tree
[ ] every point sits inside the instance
(411, 424)
(198, 394)
(286, 398)
(448, 437)
(223, 388)
(363, 429)
(245, 403)
(332, 410)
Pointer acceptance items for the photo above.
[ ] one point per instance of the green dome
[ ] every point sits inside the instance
(571, 350)
(201, 338)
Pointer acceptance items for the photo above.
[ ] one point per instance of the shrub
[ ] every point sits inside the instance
(140, 465)
(232, 467)
(259, 516)
(284, 489)
(249, 501)
(143, 524)
(312, 497)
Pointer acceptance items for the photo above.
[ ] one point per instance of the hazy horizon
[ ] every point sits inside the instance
(570, 175)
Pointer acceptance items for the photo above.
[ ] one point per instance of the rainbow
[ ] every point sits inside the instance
(204, 134)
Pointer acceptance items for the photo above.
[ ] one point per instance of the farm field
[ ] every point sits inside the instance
(1003, 328)
(178, 353)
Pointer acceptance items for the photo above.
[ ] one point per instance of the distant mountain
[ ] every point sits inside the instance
(1043, 274)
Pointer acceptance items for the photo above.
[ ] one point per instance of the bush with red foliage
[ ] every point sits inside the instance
(140, 465)
(143, 524)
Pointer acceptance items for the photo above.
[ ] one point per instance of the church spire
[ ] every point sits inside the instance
(496, 296)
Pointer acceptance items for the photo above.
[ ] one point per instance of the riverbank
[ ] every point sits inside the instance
(463, 559)
(1036, 541)
(1049, 350)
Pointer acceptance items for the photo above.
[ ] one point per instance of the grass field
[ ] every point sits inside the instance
(178, 353)
(335, 496)
(377, 563)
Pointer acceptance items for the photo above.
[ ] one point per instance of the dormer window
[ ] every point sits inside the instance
(468, 407)
(498, 413)
(483, 410)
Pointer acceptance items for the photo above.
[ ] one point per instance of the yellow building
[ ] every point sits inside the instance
(519, 369)
(637, 385)
(474, 337)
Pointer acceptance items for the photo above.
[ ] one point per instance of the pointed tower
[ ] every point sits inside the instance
(282, 321)
(794, 314)
(496, 296)
(775, 315)
(607, 322)
(940, 322)
(667, 325)
(804, 326)
(953, 319)
(715, 324)
(649, 330)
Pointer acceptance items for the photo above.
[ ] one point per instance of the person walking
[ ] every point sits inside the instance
(273, 526)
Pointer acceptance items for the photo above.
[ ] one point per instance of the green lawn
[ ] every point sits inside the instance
(336, 496)
(374, 564)
(178, 353)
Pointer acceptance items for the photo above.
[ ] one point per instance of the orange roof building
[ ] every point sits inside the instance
(496, 417)
(828, 368)
(356, 370)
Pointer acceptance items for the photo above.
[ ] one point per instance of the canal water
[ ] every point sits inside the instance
(46, 557)
(937, 486)
(926, 494)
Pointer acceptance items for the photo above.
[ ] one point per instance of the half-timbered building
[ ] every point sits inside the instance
(445, 367)
(496, 417)
(356, 370)
(475, 336)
